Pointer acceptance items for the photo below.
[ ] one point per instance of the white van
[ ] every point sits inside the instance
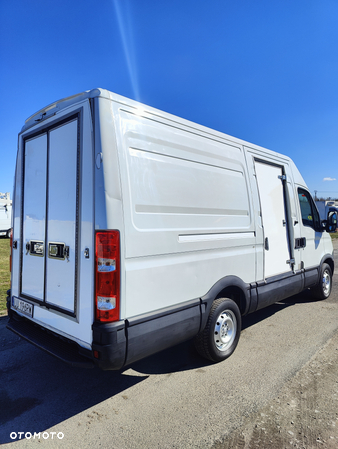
(135, 230)
(5, 214)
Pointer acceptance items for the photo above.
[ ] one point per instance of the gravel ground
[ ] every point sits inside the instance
(303, 415)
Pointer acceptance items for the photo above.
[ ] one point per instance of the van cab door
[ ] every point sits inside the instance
(311, 242)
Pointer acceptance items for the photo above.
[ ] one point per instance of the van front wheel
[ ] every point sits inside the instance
(220, 336)
(324, 287)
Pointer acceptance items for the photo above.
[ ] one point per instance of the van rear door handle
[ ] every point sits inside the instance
(35, 248)
(58, 251)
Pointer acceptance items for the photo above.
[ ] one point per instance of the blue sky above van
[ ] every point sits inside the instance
(261, 71)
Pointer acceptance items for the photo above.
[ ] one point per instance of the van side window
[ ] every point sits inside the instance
(310, 216)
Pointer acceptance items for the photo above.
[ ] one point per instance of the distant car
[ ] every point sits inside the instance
(325, 207)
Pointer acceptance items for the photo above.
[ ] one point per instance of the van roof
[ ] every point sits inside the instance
(52, 108)
(57, 106)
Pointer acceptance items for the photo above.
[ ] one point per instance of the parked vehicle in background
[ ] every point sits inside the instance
(325, 207)
(5, 214)
(135, 230)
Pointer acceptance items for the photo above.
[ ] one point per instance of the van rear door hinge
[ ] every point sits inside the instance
(282, 177)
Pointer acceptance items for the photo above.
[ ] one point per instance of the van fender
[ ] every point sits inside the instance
(327, 258)
(312, 274)
(228, 287)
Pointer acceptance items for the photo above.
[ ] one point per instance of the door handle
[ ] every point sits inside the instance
(300, 243)
(58, 251)
(35, 248)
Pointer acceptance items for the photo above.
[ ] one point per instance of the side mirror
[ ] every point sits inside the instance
(331, 222)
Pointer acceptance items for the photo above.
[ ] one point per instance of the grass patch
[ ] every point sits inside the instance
(334, 235)
(4, 272)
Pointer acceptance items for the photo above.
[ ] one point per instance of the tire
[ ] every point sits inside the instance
(220, 336)
(324, 287)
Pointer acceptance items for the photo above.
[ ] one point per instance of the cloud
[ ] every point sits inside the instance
(329, 179)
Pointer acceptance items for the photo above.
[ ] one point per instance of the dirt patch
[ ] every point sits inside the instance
(303, 415)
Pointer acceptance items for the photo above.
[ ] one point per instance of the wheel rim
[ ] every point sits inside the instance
(225, 330)
(326, 283)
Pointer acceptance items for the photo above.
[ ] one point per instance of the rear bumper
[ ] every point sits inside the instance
(62, 349)
(116, 344)
(109, 345)
(109, 342)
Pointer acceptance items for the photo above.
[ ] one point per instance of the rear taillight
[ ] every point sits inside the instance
(107, 276)
(10, 249)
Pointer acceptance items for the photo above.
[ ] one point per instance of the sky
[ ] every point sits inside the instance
(263, 71)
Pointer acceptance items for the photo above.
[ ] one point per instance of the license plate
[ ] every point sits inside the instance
(22, 306)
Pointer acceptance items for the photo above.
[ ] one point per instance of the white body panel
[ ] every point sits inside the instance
(186, 209)
(192, 206)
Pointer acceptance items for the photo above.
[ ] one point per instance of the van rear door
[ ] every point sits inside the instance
(50, 210)
(54, 223)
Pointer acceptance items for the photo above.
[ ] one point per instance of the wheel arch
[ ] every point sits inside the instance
(329, 260)
(231, 287)
(323, 288)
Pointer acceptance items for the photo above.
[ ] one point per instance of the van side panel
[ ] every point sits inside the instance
(108, 194)
(187, 211)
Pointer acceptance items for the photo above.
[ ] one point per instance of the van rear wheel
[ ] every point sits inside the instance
(324, 287)
(220, 336)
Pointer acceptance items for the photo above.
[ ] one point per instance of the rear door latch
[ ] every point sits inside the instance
(58, 251)
(35, 248)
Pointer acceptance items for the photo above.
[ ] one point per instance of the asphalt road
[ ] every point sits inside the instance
(173, 399)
